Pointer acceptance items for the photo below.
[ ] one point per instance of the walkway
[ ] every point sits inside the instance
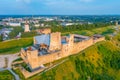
(6, 61)
(14, 74)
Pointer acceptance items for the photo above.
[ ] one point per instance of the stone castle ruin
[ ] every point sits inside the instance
(50, 47)
(44, 31)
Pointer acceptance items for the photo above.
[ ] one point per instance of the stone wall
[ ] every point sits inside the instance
(49, 57)
(79, 46)
(44, 31)
(23, 55)
(55, 41)
(32, 57)
(98, 40)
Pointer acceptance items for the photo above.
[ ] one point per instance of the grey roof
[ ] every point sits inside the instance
(43, 39)
(81, 36)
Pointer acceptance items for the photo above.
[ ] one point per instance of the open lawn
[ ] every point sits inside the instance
(13, 46)
(103, 31)
(6, 75)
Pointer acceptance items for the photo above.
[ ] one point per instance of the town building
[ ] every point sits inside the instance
(14, 24)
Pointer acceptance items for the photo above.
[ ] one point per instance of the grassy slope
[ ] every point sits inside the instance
(5, 75)
(14, 46)
(91, 32)
(99, 62)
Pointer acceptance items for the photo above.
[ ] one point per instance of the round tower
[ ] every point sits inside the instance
(116, 23)
(27, 29)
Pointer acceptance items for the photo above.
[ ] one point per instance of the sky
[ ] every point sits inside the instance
(59, 7)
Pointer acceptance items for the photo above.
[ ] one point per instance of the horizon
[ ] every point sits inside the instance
(59, 15)
(61, 7)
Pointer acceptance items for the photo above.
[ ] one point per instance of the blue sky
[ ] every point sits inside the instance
(59, 7)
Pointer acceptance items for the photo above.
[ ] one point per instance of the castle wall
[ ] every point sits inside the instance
(24, 55)
(55, 41)
(65, 50)
(32, 57)
(81, 46)
(98, 40)
(49, 58)
(44, 31)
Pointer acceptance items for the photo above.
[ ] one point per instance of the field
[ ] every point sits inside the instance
(5, 75)
(14, 46)
(103, 31)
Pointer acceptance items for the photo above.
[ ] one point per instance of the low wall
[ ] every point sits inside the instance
(29, 74)
(100, 39)
(81, 46)
(49, 58)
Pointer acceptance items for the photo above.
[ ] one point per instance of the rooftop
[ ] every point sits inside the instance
(43, 39)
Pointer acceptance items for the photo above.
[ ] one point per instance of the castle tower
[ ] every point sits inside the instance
(116, 23)
(27, 29)
(71, 42)
(55, 41)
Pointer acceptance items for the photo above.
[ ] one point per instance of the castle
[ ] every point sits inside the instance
(44, 31)
(50, 47)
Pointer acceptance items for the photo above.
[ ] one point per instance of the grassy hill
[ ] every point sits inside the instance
(5, 75)
(14, 46)
(99, 62)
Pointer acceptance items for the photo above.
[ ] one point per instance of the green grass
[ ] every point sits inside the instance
(17, 71)
(99, 62)
(19, 59)
(14, 46)
(6, 75)
(103, 31)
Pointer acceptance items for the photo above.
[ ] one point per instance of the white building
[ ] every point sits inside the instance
(14, 24)
(67, 24)
(37, 25)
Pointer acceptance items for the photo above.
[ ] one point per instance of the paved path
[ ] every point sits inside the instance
(15, 75)
(10, 58)
(2, 69)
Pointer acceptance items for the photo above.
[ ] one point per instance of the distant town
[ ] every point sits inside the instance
(8, 23)
(36, 44)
